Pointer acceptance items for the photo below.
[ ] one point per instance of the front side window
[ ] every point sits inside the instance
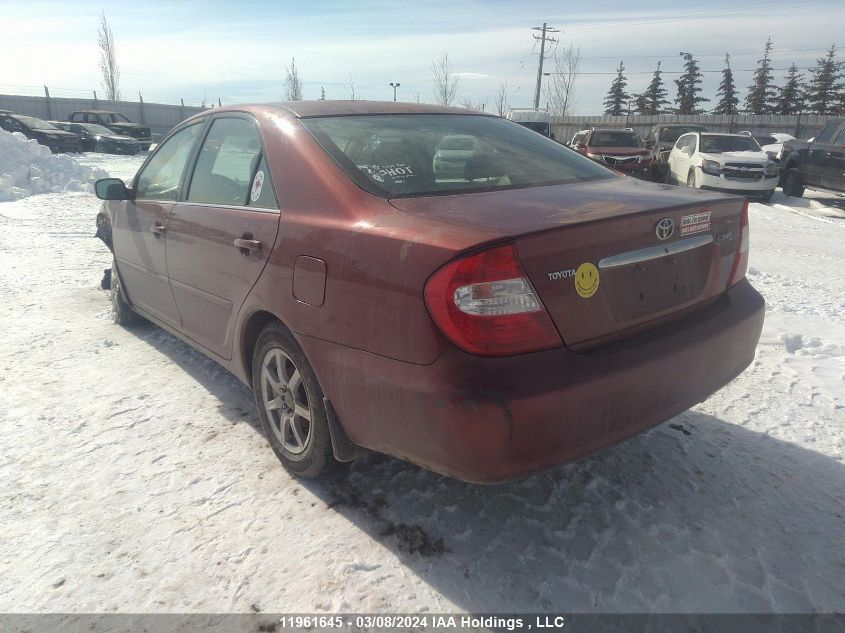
(840, 139)
(682, 143)
(162, 175)
(400, 155)
(230, 167)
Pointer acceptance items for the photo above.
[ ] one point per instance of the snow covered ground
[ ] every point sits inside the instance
(133, 476)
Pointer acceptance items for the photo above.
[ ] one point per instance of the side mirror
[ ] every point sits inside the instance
(111, 189)
(649, 143)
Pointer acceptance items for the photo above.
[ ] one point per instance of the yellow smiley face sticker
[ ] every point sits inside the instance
(586, 280)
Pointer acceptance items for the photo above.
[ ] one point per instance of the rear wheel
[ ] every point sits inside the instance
(290, 403)
(121, 312)
(791, 183)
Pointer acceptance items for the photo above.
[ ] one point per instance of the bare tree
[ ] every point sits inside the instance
(292, 86)
(560, 89)
(352, 95)
(445, 82)
(478, 106)
(501, 104)
(108, 60)
(415, 95)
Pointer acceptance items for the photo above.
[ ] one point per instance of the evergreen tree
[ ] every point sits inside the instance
(322, 93)
(790, 97)
(655, 94)
(641, 104)
(761, 97)
(826, 91)
(728, 101)
(616, 101)
(689, 85)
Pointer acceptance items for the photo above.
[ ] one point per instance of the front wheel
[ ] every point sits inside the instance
(791, 183)
(691, 180)
(290, 403)
(766, 198)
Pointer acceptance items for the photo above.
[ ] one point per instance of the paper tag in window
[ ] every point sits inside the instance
(257, 185)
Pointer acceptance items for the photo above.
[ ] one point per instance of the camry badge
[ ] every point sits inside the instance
(664, 229)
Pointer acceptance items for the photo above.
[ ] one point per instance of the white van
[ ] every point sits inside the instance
(536, 120)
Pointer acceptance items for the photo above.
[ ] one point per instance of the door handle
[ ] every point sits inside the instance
(158, 230)
(246, 246)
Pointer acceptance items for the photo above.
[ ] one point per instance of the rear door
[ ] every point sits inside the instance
(139, 226)
(220, 234)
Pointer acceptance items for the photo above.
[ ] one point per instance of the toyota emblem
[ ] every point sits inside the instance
(664, 229)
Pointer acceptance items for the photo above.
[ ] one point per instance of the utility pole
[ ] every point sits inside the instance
(543, 39)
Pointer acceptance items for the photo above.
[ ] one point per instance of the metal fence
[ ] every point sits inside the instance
(800, 126)
(159, 117)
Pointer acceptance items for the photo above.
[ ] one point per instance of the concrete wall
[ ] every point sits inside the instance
(803, 126)
(160, 118)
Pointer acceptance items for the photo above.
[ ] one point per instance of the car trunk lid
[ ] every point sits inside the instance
(601, 255)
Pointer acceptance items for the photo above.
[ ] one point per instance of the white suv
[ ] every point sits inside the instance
(733, 163)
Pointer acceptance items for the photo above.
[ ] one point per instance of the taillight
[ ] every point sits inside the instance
(485, 304)
(741, 260)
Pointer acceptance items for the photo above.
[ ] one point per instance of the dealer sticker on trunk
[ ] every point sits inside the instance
(695, 223)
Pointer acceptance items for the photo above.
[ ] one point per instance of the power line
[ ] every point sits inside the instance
(681, 72)
(795, 50)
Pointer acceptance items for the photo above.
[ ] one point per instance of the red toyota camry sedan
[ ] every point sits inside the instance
(487, 316)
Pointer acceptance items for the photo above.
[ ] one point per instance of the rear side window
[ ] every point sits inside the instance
(231, 168)
(840, 138)
(400, 155)
(827, 132)
(160, 178)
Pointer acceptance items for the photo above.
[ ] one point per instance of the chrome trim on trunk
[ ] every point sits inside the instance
(655, 252)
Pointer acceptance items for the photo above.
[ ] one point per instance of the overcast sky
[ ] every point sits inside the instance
(236, 51)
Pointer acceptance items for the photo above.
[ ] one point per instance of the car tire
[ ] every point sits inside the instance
(766, 198)
(791, 184)
(691, 179)
(122, 314)
(290, 403)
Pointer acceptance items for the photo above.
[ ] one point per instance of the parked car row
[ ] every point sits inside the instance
(85, 131)
(749, 164)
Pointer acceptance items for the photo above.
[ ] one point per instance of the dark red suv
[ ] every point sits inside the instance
(619, 149)
(487, 321)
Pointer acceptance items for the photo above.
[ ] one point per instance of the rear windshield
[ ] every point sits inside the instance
(715, 144)
(36, 124)
(672, 134)
(766, 140)
(393, 155)
(613, 138)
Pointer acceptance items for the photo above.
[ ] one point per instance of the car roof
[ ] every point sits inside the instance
(316, 108)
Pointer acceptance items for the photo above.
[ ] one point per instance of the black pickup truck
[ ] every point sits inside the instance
(819, 163)
(116, 123)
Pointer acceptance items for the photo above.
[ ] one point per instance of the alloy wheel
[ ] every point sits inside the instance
(285, 401)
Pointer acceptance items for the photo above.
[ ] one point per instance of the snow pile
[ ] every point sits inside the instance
(28, 168)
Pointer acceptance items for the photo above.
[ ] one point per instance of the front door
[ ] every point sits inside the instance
(220, 234)
(834, 176)
(139, 226)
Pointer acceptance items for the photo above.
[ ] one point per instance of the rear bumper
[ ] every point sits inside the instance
(493, 419)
